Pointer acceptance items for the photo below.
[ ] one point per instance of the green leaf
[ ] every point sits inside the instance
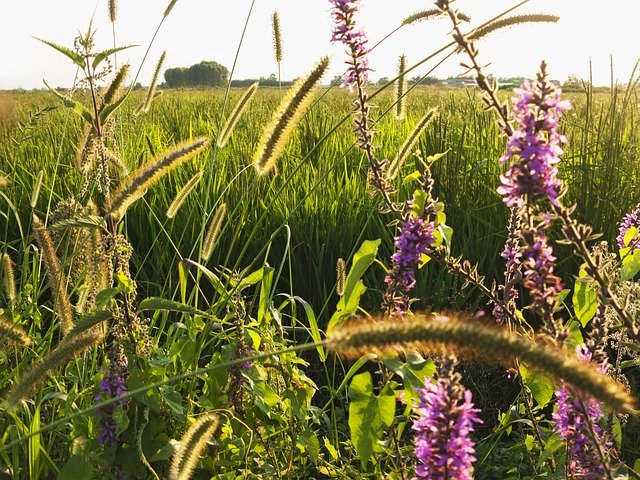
(412, 177)
(630, 265)
(629, 235)
(265, 293)
(541, 386)
(158, 303)
(77, 107)
(107, 110)
(419, 200)
(313, 326)
(414, 373)
(121, 419)
(86, 221)
(125, 284)
(85, 322)
(73, 56)
(369, 415)
(172, 398)
(76, 467)
(100, 56)
(212, 277)
(585, 298)
(354, 288)
(528, 442)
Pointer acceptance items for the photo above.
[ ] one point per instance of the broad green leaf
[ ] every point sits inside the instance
(354, 288)
(76, 467)
(212, 277)
(157, 303)
(85, 322)
(630, 265)
(369, 415)
(73, 105)
(100, 56)
(585, 298)
(172, 399)
(67, 52)
(528, 442)
(414, 372)
(629, 235)
(541, 386)
(121, 419)
(412, 177)
(419, 201)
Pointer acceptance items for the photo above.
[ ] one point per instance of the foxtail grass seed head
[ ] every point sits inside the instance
(291, 108)
(35, 194)
(4, 181)
(453, 332)
(70, 347)
(183, 194)
(9, 278)
(407, 147)
(172, 4)
(277, 37)
(341, 274)
(56, 277)
(12, 333)
(511, 21)
(431, 13)
(148, 175)
(401, 87)
(151, 93)
(234, 117)
(113, 10)
(211, 236)
(116, 85)
(192, 444)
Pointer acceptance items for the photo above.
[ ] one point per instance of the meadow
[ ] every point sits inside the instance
(219, 340)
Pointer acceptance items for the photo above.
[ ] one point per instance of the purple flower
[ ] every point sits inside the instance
(536, 145)
(539, 262)
(415, 239)
(442, 445)
(631, 219)
(345, 32)
(572, 425)
(112, 385)
(511, 254)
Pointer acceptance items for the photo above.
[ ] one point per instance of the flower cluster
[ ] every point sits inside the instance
(415, 239)
(576, 421)
(539, 263)
(112, 385)
(536, 144)
(344, 31)
(630, 220)
(442, 446)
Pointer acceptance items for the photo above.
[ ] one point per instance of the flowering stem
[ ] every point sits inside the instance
(596, 441)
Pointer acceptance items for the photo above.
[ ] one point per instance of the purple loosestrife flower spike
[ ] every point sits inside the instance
(415, 239)
(345, 32)
(442, 445)
(112, 385)
(536, 144)
(573, 426)
(631, 219)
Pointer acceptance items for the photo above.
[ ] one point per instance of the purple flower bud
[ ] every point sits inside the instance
(442, 445)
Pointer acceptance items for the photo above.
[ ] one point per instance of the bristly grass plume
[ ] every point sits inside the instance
(192, 444)
(511, 21)
(460, 334)
(277, 41)
(286, 117)
(236, 113)
(183, 194)
(12, 333)
(146, 176)
(407, 147)
(9, 277)
(401, 87)
(70, 347)
(151, 93)
(56, 277)
(211, 236)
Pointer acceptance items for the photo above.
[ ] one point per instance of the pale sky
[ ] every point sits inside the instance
(199, 30)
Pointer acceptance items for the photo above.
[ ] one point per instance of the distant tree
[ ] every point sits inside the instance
(573, 83)
(203, 74)
(383, 81)
(428, 80)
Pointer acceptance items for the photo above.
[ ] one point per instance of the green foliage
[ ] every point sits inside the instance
(203, 74)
